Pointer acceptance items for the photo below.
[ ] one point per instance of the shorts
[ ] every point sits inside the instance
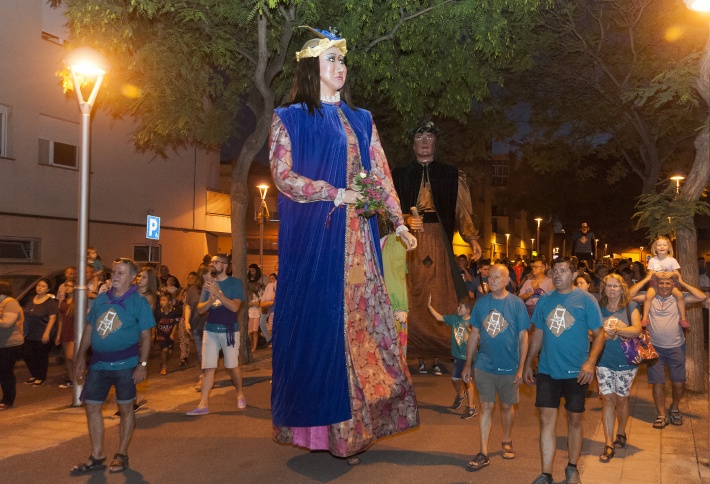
(457, 369)
(99, 382)
(165, 342)
(615, 381)
(212, 343)
(488, 384)
(551, 390)
(674, 358)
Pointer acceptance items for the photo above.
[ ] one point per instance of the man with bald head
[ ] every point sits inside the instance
(500, 324)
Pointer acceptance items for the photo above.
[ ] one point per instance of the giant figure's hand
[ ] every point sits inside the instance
(409, 240)
(477, 253)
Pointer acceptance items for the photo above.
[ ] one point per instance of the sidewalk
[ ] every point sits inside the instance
(672, 455)
(49, 423)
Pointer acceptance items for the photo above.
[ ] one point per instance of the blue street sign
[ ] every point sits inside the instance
(153, 228)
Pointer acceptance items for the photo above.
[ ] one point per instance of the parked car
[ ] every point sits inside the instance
(24, 281)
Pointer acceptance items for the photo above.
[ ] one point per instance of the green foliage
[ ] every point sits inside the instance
(665, 212)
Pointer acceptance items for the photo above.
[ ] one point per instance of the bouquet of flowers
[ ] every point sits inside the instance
(373, 195)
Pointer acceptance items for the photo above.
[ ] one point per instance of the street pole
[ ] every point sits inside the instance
(79, 65)
(538, 220)
(263, 210)
(507, 238)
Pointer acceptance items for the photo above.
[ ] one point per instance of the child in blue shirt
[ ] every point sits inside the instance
(460, 331)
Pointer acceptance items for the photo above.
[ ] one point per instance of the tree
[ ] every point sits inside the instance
(616, 78)
(191, 64)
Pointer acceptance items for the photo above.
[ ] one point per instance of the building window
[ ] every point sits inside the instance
(55, 153)
(58, 142)
(147, 254)
(18, 249)
(500, 172)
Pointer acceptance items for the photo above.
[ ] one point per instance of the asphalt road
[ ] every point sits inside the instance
(231, 445)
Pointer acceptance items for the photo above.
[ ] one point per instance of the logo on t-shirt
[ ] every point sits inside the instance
(559, 320)
(109, 323)
(495, 323)
(583, 239)
(460, 335)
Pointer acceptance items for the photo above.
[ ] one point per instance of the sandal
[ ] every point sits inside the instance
(508, 452)
(660, 422)
(119, 463)
(607, 455)
(478, 462)
(93, 464)
(675, 417)
(620, 441)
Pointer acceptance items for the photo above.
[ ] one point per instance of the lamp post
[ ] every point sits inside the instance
(703, 86)
(84, 64)
(605, 247)
(641, 254)
(532, 245)
(263, 212)
(538, 220)
(507, 238)
(677, 176)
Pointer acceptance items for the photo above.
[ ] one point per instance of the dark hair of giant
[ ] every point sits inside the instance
(306, 86)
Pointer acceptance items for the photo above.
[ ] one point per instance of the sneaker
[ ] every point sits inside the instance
(542, 479)
(469, 413)
(30, 381)
(197, 412)
(38, 382)
(241, 402)
(436, 370)
(66, 384)
(422, 368)
(572, 475)
(458, 401)
(163, 371)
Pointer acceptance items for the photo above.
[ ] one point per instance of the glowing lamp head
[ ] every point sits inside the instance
(698, 5)
(87, 61)
(262, 190)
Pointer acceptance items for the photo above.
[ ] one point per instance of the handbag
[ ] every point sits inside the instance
(639, 349)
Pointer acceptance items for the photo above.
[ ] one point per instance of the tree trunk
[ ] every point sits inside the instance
(686, 239)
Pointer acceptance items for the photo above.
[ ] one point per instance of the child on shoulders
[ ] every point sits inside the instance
(663, 261)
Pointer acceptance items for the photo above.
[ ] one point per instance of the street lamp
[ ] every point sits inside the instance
(263, 213)
(605, 247)
(84, 64)
(507, 238)
(677, 176)
(532, 244)
(538, 220)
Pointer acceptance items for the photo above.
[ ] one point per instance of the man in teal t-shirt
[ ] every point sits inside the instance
(500, 324)
(460, 330)
(118, 331)
(563, 319)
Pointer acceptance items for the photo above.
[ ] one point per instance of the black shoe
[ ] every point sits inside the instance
(470, 412)
(458, 401)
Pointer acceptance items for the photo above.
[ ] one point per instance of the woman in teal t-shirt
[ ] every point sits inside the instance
(614, 374)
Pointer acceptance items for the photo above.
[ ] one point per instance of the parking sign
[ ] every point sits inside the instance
(153, 228)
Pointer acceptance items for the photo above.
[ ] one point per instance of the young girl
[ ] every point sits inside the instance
(254, 315)
(663, 261)
(65, 335)
(168, 318)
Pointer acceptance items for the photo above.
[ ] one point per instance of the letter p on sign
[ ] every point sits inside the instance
(153, 228)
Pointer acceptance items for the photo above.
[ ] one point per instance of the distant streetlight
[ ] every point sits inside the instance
(263, 213)
(84, 64)
(532, 244)
(538, 220)
(605, 247)
(677, 176)
(507, 238)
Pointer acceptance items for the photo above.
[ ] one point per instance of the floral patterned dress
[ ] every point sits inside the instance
(382, 399)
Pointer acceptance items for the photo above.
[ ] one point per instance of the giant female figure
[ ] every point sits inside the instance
(340, 381)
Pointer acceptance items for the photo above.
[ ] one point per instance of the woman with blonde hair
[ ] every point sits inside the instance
(615, 375)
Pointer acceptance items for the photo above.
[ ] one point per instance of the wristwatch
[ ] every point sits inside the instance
(144, 363)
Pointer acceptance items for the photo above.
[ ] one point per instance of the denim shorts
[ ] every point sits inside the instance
(99, 382)
(674, 358)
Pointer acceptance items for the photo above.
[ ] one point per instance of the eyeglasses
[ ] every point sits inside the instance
(217, 262)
